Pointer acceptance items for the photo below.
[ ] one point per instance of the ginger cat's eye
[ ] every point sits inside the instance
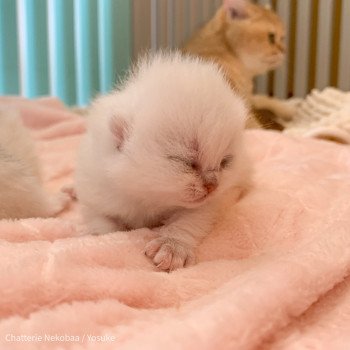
(272, 38)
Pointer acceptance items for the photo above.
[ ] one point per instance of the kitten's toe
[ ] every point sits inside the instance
(190, 260)
(163, 258)
(152, 248)
(169, 254)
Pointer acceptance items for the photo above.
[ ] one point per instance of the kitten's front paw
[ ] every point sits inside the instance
(169, 254)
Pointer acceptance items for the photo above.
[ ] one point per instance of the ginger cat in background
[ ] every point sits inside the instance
(246, 40)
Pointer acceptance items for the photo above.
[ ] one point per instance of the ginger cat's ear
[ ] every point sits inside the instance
(120, 129)
(237, 9)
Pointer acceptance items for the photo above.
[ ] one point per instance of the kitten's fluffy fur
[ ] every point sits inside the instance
(246, 40)
(160, 153)
(21, 191)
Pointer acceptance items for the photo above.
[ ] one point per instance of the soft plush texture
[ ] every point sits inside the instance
(322, 114)
(274, 274)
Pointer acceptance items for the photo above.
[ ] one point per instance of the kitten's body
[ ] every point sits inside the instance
(21, 192)
(239, 38)
(154, 155)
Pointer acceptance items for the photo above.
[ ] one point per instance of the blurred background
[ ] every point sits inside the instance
(75, 49)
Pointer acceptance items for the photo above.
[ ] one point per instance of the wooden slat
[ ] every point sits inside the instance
(218, 3)
(141, 26)
(9, 78)
(106, 44)
(313, 44)
(292, 46)
(335, 48)
(32, 29)
(196, 15)
(170, 23)
(324, 43)
(86, 57)
(344, 61)
(154, 25)
(187, 21)
(122, 37)
(61, 50)
(162, 20)
(207, 10)
(302, 51)
(180, 22)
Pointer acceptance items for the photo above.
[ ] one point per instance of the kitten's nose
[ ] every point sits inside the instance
(210, 186)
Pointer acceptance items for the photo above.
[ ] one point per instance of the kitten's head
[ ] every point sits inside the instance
(255, 33)
(179, 142)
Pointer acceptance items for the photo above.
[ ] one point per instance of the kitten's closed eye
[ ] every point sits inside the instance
(226, 162)
(193, 165)
(188, 163)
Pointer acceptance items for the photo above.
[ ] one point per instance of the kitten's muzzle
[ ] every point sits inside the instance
(200, 191)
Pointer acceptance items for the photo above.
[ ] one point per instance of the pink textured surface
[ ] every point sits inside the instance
(275, 274)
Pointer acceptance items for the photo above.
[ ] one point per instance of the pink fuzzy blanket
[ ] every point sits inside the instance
(275, 274)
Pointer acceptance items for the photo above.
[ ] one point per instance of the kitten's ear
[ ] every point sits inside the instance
(120, 129)
(237, 9)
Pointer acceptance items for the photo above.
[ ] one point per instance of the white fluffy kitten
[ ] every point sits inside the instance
(21, 191)
(160, 153)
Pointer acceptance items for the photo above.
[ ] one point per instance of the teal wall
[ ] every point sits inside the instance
(72, 49)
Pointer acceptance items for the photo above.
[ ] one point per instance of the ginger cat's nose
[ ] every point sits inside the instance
(282, 48)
